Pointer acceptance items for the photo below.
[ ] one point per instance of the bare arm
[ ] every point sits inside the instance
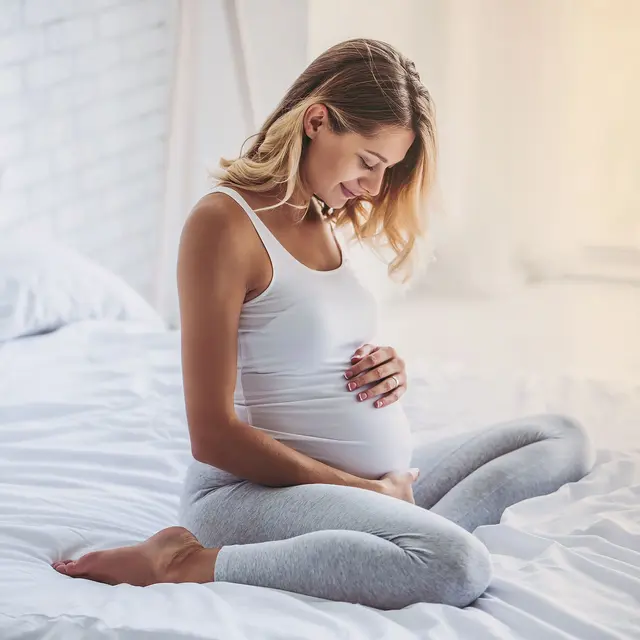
(214, 272)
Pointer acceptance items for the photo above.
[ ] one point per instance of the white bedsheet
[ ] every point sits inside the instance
(93, 446)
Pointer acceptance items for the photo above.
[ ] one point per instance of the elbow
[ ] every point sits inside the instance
(198, 454)
(205, 452)
(208, 444)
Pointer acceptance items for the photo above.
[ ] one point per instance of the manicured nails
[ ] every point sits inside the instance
(362, 396)
(351, 386)
(378, 404)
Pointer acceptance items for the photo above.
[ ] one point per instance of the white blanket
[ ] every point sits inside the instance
(93, 447)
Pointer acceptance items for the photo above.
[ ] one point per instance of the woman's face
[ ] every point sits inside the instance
(339, 167)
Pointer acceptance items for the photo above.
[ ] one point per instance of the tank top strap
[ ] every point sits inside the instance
(271, 244)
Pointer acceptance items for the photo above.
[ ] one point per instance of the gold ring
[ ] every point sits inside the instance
(397, 382)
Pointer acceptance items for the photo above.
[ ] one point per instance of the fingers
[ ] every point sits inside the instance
(415, 473)
(364, 350)
(378, 356)
(370, 365)
(382, 372)
(390, 398)
(386, 385)
(389, 385)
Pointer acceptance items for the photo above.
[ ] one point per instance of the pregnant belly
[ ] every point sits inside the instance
(323, 420)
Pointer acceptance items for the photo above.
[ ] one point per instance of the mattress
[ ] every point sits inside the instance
(93, 448)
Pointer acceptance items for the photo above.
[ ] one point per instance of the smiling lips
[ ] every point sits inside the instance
(346, 192)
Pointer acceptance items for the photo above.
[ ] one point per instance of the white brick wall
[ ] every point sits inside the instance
(84, 115)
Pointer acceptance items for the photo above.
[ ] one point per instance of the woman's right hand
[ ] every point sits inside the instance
(399, 484)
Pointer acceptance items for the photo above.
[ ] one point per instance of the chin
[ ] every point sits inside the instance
(334, 200)
(338, 203)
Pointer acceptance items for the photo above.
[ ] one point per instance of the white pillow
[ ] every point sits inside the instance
(44, 286)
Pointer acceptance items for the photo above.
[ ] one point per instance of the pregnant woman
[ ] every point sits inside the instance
(305, 478)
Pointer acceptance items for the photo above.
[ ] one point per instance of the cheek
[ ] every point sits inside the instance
(339, 170)
(328, 164)
(318, 165)
(326, 170)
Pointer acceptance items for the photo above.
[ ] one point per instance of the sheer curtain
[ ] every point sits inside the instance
(537, 104)
(539, 138)
(235, 60)
(210, 114)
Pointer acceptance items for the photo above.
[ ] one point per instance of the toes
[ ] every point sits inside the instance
(59, 562)
(78, 567)
(68, 568)
(86, 564)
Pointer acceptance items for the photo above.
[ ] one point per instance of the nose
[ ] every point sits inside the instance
(372, 182)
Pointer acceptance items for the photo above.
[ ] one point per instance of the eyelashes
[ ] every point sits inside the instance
(370, 168)
(365, 165)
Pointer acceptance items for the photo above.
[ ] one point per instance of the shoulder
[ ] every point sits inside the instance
(214, 214)
(218, 232)
(218, 220)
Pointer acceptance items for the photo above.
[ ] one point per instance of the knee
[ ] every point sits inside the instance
(469, 565)
(464, 570)
(580, 445)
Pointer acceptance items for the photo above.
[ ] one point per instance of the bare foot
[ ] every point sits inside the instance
(171, 555)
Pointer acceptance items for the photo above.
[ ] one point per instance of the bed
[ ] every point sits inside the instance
(93, 448)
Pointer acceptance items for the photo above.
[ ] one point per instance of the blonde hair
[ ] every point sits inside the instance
(364, 85)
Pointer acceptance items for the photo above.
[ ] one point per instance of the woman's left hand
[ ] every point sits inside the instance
(381, 365)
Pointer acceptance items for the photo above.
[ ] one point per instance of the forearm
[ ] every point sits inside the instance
(253, 455)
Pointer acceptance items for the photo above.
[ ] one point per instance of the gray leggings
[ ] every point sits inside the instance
(354, 545)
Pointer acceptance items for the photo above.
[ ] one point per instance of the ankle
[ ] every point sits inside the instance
(193, 564)
(203, 567)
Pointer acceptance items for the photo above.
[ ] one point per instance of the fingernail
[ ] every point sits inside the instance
(351, 386)
(378, 404)
(362, 396)
(348, 374)
(356, 357)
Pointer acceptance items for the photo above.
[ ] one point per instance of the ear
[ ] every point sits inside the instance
(315, 118)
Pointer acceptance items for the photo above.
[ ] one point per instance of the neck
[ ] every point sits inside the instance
(298, 205)
(300, 199)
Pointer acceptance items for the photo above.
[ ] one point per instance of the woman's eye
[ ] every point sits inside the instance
(366, 166)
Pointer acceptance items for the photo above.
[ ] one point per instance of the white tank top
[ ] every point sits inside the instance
(295, 342)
